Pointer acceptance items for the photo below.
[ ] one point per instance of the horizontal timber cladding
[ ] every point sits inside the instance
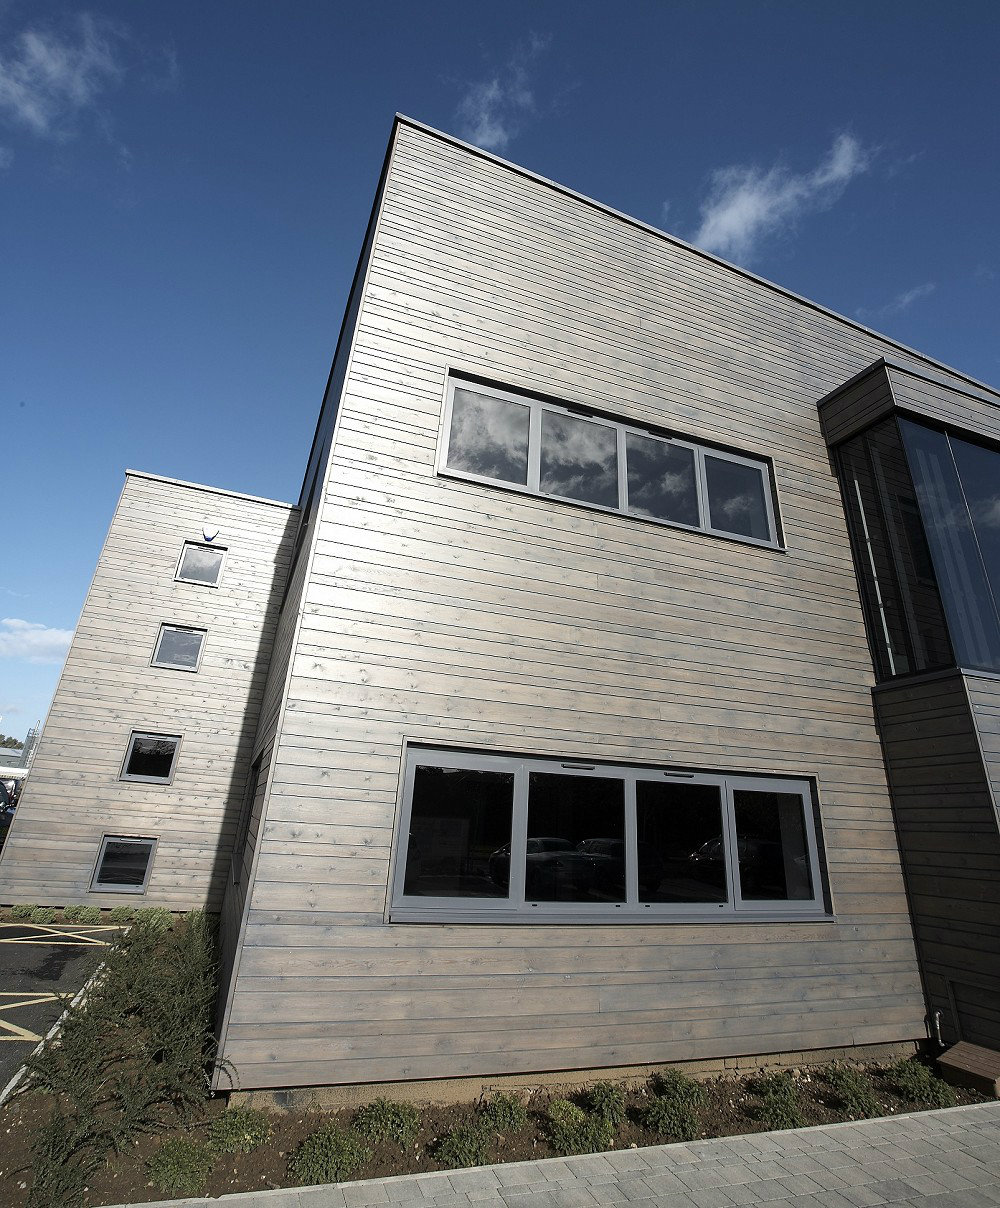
(461, 615)
(109, 689)
(935, 734)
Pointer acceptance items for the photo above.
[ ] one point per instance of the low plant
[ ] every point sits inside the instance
(571, 1130)
(328, 1155)
(88, 914)
(854, 1089)
(672, 1110)
(779, 1101)
(71, 913)
(23, 911)
(385, 1120)
(607, 1101)
(121, 914)
(915, 1081)
(181, 1166)
(154, 917)
(43, 914)
(504, 1113)
(239, 1130)
(467, 1145)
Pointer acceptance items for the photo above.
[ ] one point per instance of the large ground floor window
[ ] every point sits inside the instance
(487, 836)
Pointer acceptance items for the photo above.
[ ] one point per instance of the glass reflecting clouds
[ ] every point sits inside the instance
(199, 564)
(979, 470)
(151, 756)
(661, 480)
(489, 437)
(579, 460)
(736, 499)
(179, 647)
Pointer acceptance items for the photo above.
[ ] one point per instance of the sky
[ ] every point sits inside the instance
(184, 190)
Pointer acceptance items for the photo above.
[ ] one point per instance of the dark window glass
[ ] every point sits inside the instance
(459, 843)
(124, 863)
(576, 839)
(681, 851)
(979, 470)
(201, 564)
(961, 576)
(903, 611)
(151, 756)
(579, 460)
(179, 647)
(736, 501)
(489, 437)
(661, 480)
(773, 854)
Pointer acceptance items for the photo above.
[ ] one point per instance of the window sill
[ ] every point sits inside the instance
(624, 917)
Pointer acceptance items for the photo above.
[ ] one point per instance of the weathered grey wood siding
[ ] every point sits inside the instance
(948, 836)
(857, 405)
(108, 689)
(447, 612)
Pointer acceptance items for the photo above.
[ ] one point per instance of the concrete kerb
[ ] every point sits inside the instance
(492, 1181)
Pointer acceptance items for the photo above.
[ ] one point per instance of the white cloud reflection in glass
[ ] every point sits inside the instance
(579, 459)
(489, 437)
(661, 480)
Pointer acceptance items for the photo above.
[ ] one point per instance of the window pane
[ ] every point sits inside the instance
(661, 480)
(736, 500)
(489, 436)
(576, 839)
(151, 755)
(200, 564)
(459, 841)
(579, 459)
(179, 647)
(681, 851)
(979, 470)
(961, 578)
(124, 863)
(771, 835)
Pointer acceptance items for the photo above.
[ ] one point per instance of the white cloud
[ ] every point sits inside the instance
(490, 112)
(900, 303)
(48, 79)
(33, 642)
(746, 203)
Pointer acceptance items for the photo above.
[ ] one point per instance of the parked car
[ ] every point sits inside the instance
(6, 812)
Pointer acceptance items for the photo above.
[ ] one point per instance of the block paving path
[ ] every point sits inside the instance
(936, 1159)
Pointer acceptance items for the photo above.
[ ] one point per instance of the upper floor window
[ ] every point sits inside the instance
(179, 647)
(150, 757)
(528, 444)
(485, 837)
(201, 564)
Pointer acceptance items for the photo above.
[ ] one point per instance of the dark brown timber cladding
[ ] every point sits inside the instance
(948, 835)
(447, 612)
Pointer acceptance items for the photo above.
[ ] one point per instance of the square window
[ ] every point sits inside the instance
(200, 564)
(150, 758)
(737, 497)
(579, 459)
(488, 437)
(123, 865)
(179, 647)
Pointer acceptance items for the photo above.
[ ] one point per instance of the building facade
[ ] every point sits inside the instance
(566, 745)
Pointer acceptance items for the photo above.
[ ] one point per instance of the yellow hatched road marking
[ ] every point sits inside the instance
(44, 933)
(10, 1031)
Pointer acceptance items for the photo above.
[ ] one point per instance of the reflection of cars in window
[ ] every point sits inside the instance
(761, 862)
(609, 857)
(593, 864)
(6, 812)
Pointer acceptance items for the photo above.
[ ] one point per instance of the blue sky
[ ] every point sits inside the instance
(184, 189)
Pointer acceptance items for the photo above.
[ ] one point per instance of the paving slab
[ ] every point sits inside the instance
(939, 1159)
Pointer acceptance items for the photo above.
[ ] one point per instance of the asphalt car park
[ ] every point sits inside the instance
(42, 966)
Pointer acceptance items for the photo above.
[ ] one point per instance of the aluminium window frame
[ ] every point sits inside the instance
(129, 889)
(123, 775)
(222, 549)
(164, 625)
(536, 405)
(516, 909)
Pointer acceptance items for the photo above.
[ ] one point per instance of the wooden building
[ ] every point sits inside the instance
(553, 737)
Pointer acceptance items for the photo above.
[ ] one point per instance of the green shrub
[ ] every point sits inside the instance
(915, 1081)
(779, 1106)
(43, 914)
(155, 917)
(384, 1120)
(62, 1163)
(572, 1130)
(23, 911)
(71, 913)
(607, 1102)
(328, 1155)
(671, 1112)
(181, 1166)
(467, 1145)
(504, 1113)
(239, 1130)
(121, 914)
(854, 1089)
(677, 1087)
(89, 914)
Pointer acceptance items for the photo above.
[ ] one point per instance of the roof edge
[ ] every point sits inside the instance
(401, 119)
(200, 486)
